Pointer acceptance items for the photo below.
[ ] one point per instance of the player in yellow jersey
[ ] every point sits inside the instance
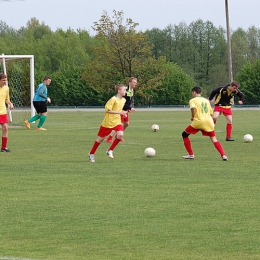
(4, 100)
(111, 121)
(201, 117)
(128, 107)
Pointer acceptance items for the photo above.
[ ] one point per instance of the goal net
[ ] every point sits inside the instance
(20, 80)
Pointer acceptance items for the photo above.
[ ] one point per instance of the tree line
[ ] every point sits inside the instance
(167, 63)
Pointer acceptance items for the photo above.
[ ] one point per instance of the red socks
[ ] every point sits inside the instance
(114, 144)
(94, 147)
(228, 130)
(219, 147)
(4, 142)
(187, 145)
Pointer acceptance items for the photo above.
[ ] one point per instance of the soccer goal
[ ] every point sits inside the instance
(20, 75)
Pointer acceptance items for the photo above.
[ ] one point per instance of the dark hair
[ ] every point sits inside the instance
(234, 84)
(46, 78)
(3, 76)
(197, 90)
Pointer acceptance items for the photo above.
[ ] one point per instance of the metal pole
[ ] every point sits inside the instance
(229, 45)
(8, 108)
(32, 84)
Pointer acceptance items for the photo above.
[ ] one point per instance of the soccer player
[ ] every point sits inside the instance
(224, 99)
(128, 107)
(4, 100)
(201, 113)
(39, 103)
(112, 121)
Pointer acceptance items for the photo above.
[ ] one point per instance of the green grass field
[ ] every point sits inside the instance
(57, 205)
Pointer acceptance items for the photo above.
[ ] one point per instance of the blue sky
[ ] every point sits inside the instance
(148, 13)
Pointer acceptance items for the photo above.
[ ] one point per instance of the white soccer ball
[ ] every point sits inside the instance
(155, 128)
(248, 138)
(149, 152)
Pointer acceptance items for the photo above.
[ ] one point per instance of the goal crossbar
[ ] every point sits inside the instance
(5, 58)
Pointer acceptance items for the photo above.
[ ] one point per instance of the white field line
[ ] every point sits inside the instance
(14, 258)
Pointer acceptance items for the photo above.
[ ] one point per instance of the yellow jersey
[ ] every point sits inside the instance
(4, 95)
(202, 119)
(115, 104)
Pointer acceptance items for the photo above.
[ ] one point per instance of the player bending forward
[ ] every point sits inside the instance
(201, 113)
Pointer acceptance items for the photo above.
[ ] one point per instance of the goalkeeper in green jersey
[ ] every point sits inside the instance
(39, 102)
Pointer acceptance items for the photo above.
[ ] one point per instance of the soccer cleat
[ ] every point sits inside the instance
(5, 150)
(224, 158)
(27, 124)
(188, 156)
(91, 158)
(109, 139)
(230, 139)
(40, 129)
(110, 154)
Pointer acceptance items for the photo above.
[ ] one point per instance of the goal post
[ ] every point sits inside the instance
(20, 75)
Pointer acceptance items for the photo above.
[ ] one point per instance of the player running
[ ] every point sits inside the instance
(111, 122)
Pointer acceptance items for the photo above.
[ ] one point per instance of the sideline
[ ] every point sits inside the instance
(148, 109)
(14, 258)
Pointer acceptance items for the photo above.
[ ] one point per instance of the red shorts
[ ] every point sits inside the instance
(125, 118)
(4, 119)
(105, 131)
(191, 130)
(225, 111)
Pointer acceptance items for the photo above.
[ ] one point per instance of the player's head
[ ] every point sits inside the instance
(2, 76)
(132, 82)
(118, 87)
(197, 90)
(47, 80)
(3, 79)
(234, 85)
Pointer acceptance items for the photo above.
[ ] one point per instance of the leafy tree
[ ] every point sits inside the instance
(171, 42)
(198, 48)
(121, 52)
(239, 50)
(158, 38)
(37, 29)
(249, 79)
(8, 38)
(207, 46)
(253, 39)
(175, 88)
(71, 89)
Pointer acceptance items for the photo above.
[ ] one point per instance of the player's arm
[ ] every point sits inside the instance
(193, 113)
(8, 102)
(241, 97)
(214, 93)
(210, 110)
(132, 109)
(109, 108)
(41, 93)
(116, 112)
